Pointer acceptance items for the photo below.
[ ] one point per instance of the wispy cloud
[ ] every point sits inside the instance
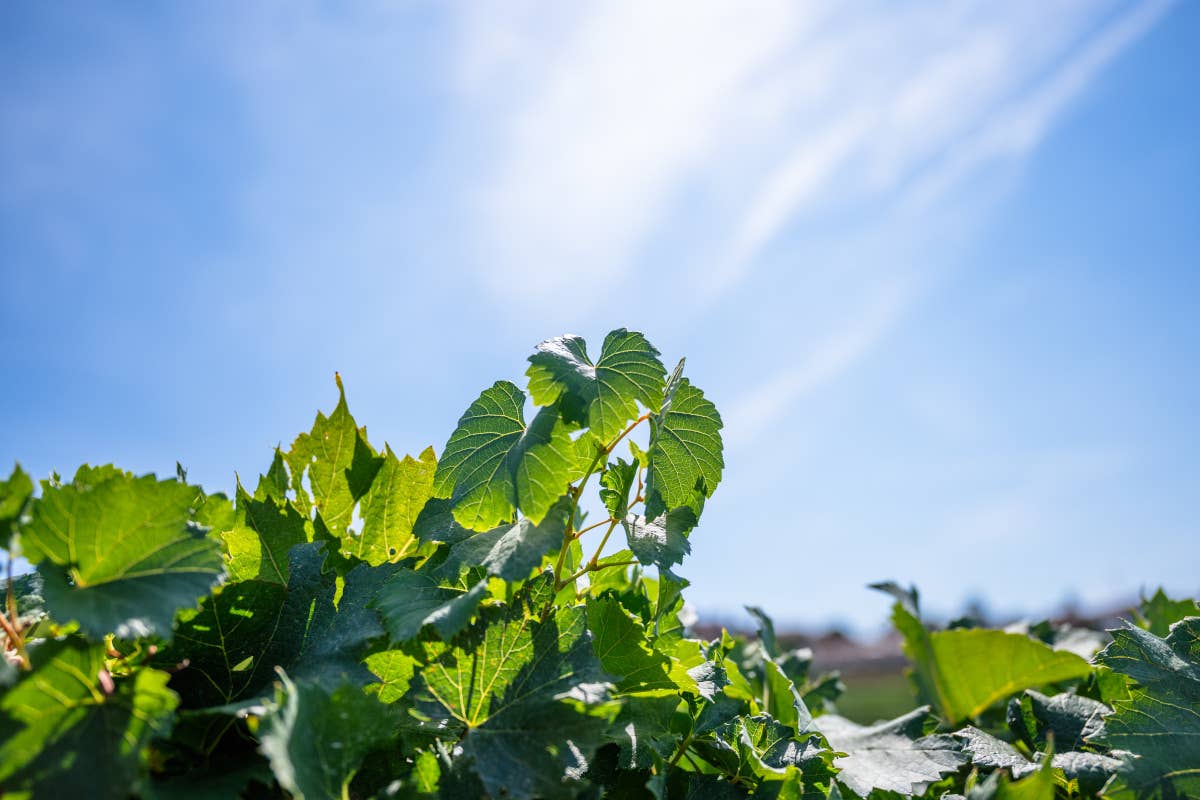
(905, 182)
(616, 124)
(1017, 129)
(823, 362)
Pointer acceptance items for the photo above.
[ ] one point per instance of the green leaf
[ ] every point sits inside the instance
(411, 600)
(230, 647)
(662, 542)
(390, 508)
(616, 483)
(1091, 770)
(963, 671)
(1070, 719)
(757, 749)
(621, 646)
(891, 756)
(603, 396)
(685, 452)
(1160, 612)
(340, 466)
(264, 530)
(493, 464)
(14, 497)
(395, 670)
(527, 695)
(70, 733)
(642, 730)
(783, 700)
(1037, 786)
(509, 552)
(975, 668)
(436, 523)
(316, 738)
(1160, 722)
(120, 554)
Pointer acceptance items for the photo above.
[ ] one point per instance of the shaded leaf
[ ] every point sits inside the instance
(15, 493)
(408, 601)
(616, 483)
(662, 542)
(1069, 718)
(316, 738)
(509, 552)
(520, 689)
(66, 735)
(229, 648)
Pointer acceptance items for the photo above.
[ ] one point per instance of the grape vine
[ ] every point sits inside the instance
(365, 624)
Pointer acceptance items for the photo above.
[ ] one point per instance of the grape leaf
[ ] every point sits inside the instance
(395, 670)
(316, 738)
(1092, 770)
(963, 671)
(662, 542)
(527, 696)
(754, 749)
(685, 451)
(620, 643)
(603, 396)
(892, 756)
(411, 600)
(340, 466)
(616, 483)
(264, 529)
(509, 552)
(1069, 718)
(230, 647)
(1160, 722)
(494, 464)
(14, 496)
(399, 492)
(1158, 613)
(120, 554)
(68, 734)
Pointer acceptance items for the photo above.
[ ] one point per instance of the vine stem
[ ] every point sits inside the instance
(579, 533)
(13, 629)
(577, 492)
(683, 748)
(596, 555)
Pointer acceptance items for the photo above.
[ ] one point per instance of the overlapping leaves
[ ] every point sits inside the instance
(371, 624)
(120, 554)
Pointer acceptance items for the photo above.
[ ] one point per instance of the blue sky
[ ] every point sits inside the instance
(936, 263)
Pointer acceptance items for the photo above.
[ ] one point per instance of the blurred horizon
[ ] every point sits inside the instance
(935, 263)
